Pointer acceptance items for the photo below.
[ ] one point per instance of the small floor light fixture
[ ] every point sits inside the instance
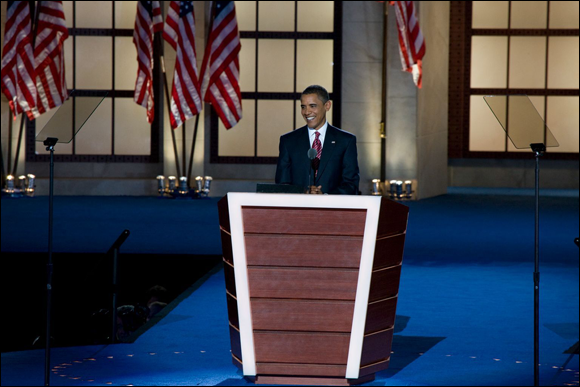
(377, 191)
(199, 184)
(161, 185)
(183, 188)
(207, 185)
(172, 184)
(393, 189)
(30, 185)
(408, 189)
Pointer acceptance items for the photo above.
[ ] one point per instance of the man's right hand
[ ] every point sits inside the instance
(314, 190)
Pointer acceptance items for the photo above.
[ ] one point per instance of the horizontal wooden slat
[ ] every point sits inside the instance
(385, 283)
(389, 251)
(303, 221)
(393, 218)
(233, 311)
(230, 279)
(374, 368)
(301, 369)
(303, 250)
(309, 381)
(301, 315)
(381, 315)
(304, 348)
(313, 284)
(377, 347)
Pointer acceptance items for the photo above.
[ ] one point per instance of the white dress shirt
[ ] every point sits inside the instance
(322, 131)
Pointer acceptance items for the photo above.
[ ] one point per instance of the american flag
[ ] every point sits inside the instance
(220, 70)
(49, 56)
(147, 21)
(411, 43)
(179, 31)
(18, 60)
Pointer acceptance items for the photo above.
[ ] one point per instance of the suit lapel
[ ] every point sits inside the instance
(327, 149)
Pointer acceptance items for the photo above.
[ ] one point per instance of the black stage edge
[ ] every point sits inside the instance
(83, 285)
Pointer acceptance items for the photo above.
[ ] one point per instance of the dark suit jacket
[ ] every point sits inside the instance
(338, 172)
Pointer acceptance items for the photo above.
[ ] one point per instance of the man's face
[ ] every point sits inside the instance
(313, 110)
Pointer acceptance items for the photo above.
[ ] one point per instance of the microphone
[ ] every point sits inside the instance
(312, 156)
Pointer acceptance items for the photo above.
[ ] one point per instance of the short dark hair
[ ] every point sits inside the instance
(319, 91)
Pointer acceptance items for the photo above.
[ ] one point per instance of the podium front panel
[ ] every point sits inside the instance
(312, 282)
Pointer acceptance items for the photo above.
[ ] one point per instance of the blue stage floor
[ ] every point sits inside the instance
(464, 317)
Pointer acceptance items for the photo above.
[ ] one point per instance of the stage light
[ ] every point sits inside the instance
(22, 183)
(399, 194)
(207, 185)
(408, 189)
(31, 185)
(161, 185)
(183, 189)
(199, 184)
(393, 188)
(376, 187)
(9, 184)
(172, 184)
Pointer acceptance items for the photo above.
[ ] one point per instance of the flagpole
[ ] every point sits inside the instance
(9, 150)
(383, 128)
(169, 108)
(22, 119)
(192, 148)
(183, 146)
(3, 169)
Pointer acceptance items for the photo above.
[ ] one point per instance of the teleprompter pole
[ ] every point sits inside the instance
(539, 150)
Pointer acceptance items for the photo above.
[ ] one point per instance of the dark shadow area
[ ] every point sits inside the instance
(82, 294)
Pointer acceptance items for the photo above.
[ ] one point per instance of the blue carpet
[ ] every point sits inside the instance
(464, 317)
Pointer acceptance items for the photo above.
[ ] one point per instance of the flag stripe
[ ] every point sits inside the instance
(220, 68)
(18, 69)
(49, 56)
(147, 21)
(179, 32)
(411, 42)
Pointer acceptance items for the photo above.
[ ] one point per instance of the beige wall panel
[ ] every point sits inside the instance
(132, 131)
(529, 14)
(126, 64)
(314, 65)
(276, 16)
(564, 14)
(248, 65)
(489, 61)
(563, 58)
(275, 65)
(316, 16)
(563, 122)
(94, 14)
(94, 62)
(246, 15)
(68, 13)
(274, 119)
(527, 62)
(239, 140)
(490, 14)
(125, 14)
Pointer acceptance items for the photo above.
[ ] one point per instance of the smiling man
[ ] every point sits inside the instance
(336, 152)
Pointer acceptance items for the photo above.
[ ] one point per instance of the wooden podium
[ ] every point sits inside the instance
(311, 284)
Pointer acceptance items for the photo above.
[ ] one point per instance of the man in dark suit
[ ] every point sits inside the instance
(338, 171)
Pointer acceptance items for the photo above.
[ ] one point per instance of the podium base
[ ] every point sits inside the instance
(309, 381)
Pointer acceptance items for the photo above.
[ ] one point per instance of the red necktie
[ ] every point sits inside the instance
(317, 145)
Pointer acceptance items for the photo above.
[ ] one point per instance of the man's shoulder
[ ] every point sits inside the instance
(341, 133)
(294, 134)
